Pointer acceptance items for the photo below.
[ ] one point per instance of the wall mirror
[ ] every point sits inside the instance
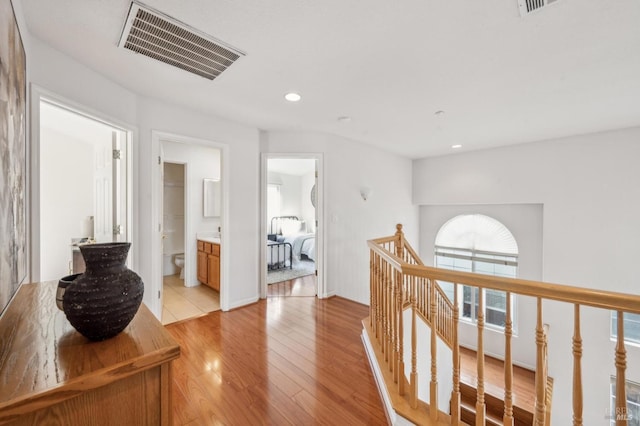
(211, 198)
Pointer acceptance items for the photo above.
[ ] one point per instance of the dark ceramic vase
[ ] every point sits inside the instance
(102, 301)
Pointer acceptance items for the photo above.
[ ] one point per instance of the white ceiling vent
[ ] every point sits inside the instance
(528, 6)
(158, 36)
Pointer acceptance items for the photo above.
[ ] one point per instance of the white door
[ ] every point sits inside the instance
(109, 198)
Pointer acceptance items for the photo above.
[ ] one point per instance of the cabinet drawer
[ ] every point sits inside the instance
(207, 247)
(200, 245)
(216, 250)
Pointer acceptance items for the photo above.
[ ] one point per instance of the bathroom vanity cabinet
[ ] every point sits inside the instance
(209, 264)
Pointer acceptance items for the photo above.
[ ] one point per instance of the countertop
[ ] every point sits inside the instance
(213, 240)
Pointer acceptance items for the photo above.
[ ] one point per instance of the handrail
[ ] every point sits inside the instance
(559, 292)
(563, 293)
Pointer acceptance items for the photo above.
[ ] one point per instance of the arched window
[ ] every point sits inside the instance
(481, 244)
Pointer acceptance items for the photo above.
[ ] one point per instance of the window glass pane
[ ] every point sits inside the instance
(631, 327)
(466, 302)
(633, 402)
(496, 307)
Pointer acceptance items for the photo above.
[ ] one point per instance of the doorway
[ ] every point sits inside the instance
(203, 161)
(292, 222)
(83, 183)
(184, 169)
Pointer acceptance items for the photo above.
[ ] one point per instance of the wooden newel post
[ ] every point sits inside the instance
(399, 241)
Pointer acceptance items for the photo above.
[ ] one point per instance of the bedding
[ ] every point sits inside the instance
(302, 244)
(291, 243)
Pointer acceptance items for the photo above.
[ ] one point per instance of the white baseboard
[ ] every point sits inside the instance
(244, 302)
(329, 294)
(392, 417)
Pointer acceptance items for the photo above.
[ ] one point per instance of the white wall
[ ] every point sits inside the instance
(589, 188)
(243, 158)
(67, 197)
(200, 163)
(295, 192)
(289, 194)
(350, 221)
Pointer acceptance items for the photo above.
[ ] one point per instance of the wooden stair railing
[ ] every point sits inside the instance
(399, 280)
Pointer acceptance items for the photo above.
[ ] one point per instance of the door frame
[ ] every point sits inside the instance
(37, 95)
(321, 266)
(155, 286)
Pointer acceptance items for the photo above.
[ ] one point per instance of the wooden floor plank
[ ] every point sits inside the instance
(283, 360)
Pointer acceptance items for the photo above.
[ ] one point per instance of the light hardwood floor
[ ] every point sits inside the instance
(281, 361)
(298, 287)
(286, 361)
(180, 302)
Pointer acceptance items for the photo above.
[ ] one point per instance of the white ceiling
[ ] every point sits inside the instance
(571, 68)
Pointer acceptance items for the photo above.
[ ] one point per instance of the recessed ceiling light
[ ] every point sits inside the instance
(438, 113)
(456, 146)
(344, 119)
(292, 97)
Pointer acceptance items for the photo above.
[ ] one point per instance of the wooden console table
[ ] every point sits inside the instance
(51, 374)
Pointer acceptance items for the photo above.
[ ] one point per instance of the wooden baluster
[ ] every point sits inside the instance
(455, 393)
(621, 366)
(433, 385)
(387, 316)
(392, 324)
(507, 419)
(385, 269)
(379, 300)
(541, 379)
(400, 303)
(481, 410)
(577, 368)
(372, 286)
(413, 378)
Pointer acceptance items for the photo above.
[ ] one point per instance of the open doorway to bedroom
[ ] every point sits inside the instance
(291, 222)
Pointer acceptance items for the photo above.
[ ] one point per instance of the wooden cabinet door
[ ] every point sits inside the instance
(203, 266)
(214, 272)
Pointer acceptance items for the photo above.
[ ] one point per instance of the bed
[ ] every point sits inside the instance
(279, 255)
(289, 242)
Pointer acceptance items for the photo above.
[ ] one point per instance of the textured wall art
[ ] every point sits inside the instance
(13, 87)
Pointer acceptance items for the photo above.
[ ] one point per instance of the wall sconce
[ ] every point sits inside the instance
(365, 193)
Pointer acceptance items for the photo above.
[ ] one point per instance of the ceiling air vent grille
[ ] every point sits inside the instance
(165, 39)
(528, 6)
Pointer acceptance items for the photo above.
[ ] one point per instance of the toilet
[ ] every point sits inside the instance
(178, 260)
